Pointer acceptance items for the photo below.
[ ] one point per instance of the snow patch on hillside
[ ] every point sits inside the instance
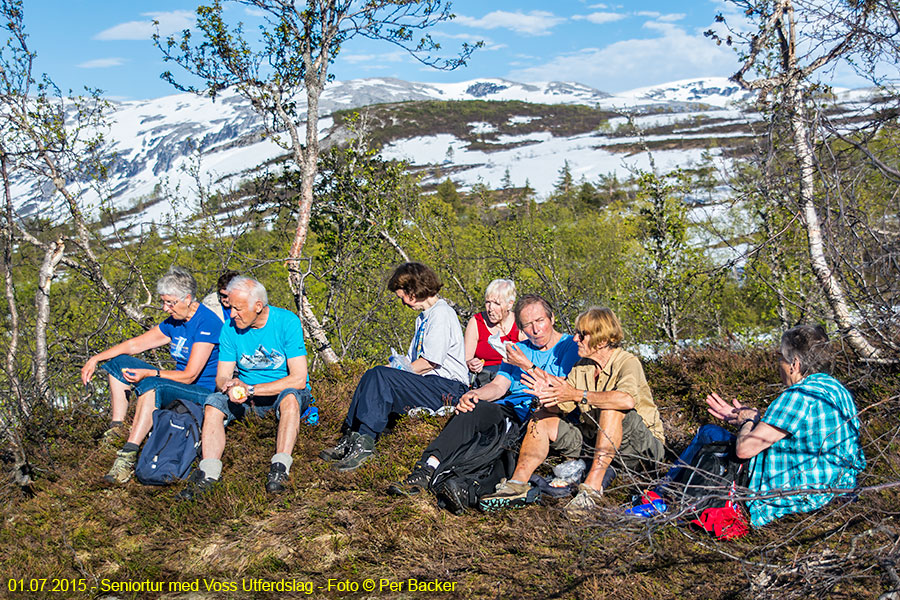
(714, 91)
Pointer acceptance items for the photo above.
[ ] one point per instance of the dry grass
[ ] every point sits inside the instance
(344, 527)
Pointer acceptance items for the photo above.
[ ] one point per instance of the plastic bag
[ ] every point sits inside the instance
(568, 473)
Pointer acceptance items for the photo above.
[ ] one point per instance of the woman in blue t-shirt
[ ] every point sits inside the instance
(192, 332)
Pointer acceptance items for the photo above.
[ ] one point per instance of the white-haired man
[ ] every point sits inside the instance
(262, 367)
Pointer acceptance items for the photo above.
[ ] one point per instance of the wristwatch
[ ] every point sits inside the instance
(251, 389)
(584, 398)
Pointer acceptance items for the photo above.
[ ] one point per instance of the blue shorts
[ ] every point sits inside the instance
(260, 405)
(166, 389)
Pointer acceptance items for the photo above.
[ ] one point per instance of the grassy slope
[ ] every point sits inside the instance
(343, 526)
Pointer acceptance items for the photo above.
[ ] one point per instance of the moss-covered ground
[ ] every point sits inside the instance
(86, 540)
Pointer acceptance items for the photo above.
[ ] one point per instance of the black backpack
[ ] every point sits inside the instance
(476, 467)
(173, 444)
(712, 478)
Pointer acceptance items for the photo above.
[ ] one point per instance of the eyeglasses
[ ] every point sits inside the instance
(581, 334)
(171, 303)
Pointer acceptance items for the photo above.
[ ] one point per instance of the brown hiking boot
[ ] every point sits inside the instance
(122, 468)
(114, 436)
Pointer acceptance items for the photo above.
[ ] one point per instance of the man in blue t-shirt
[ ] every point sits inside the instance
(480, 411)
(262, 367)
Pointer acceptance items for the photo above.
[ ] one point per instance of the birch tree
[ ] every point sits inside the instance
(51, 140)
(795, 41)
(298, 43)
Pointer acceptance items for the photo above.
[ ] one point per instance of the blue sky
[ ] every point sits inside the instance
(612, 47)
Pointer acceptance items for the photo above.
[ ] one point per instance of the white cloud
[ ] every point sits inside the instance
(598, 6)
(383, 57)
(648, 13)
(255, 12)
(102, 63)
(673, 55)
(672, 17)
(466, 37)
(169, 23)
(536, 22)
(599, 18)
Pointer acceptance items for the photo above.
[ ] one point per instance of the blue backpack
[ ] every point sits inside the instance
(173, 444)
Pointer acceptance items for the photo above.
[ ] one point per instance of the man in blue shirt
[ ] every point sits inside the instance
(480, 410)
(262, 367)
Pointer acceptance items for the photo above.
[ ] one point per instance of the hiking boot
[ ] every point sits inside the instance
(340, 451)
(122, 468)
(113, 436)
(276, 478)
(587, 500)
(509, 494)
(416, 482)
(198, 485)
(362, 450)
(453, 495)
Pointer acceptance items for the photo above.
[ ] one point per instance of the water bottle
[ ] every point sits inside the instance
(399, 361)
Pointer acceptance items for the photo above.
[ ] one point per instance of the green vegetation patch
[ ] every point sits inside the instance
(407, 119)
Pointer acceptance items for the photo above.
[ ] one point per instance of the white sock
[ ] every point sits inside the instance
(284, 459)
(433, 462)
(211, 467)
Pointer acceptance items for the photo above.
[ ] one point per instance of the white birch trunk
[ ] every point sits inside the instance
(834, 293)
(42, 307)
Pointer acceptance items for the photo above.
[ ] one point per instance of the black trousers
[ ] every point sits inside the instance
(465, 426)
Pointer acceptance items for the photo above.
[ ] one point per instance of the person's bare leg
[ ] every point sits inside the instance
(609, 438)
(288, 425)
(213, 436)
(143, 417)
(540, 432)
(118, 399)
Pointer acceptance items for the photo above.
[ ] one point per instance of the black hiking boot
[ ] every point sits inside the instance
(362, 450)
(340, 451)
(276, 478)
(453, 496)
(415, 483)
(198, 485)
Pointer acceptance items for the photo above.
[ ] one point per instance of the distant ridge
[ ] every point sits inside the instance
(157, 143)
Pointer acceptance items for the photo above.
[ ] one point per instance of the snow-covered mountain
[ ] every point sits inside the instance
(714, 91)
(174, 141)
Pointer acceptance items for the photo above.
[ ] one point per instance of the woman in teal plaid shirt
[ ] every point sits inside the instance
(807, 439)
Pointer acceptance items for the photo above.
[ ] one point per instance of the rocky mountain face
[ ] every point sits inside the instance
(502, 128)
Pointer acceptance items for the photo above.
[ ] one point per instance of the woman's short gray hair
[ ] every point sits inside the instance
(505, 289)
(254, 289)
(177, 282)
(809, 345)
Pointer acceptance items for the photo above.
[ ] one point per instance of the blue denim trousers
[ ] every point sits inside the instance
(260, 405)
(166, 389)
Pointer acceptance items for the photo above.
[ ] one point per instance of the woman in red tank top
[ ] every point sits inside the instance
(497, 319)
